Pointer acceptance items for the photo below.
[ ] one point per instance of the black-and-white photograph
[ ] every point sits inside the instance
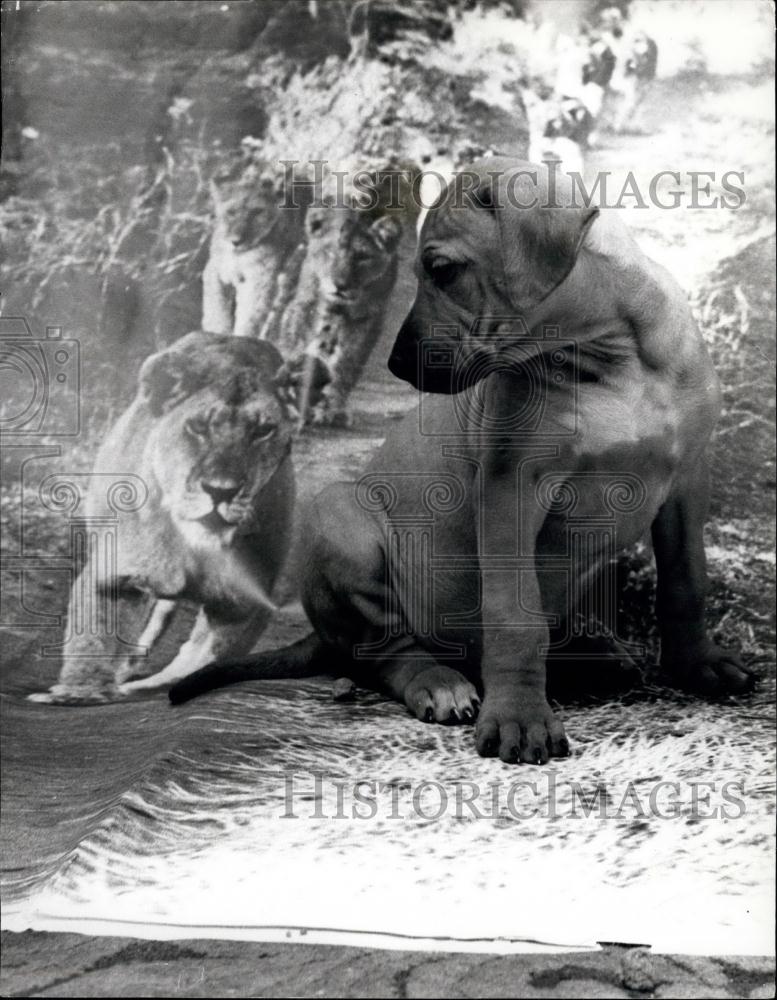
(387, 436)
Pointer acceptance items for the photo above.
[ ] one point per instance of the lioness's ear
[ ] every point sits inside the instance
(283, 377)
(163, 381)
(541, 229)
(387, 231)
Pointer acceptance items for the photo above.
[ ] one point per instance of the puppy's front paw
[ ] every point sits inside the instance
(710, 671)
(519, 729)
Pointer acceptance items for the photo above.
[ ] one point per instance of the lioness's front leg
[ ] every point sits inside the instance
(687, 653)
(516, 722)
(91, 653)
(161, 613)
(212, 638)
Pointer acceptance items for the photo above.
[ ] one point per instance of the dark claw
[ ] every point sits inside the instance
(453, 718)
(429, 715)
(468, 715)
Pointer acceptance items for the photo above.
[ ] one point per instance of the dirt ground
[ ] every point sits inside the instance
(712, 135)
(71, 965)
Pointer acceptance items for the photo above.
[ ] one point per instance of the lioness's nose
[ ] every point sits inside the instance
(223, 491)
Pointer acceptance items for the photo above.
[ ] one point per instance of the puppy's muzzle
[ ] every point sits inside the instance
(427, 364)
(437, 364)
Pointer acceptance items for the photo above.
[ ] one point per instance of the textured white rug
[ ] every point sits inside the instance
(436, 848)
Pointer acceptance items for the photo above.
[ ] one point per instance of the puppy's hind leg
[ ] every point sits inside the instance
(431, 691)
(687, 653)
(349, 598)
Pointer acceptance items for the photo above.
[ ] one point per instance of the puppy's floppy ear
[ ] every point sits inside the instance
(540, 229)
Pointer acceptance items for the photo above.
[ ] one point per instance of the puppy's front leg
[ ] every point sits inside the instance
(516, 722)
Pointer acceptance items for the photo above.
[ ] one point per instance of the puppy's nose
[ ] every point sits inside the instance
(399, 363)
(221, 491)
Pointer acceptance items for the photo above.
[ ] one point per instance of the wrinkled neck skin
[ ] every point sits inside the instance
(623, 313)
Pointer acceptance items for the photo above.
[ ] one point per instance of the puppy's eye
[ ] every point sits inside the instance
(264, 431)
(442, 270)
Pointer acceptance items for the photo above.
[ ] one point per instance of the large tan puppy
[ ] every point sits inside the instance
(573, 400)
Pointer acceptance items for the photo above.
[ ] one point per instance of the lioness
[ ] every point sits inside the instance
(254, 238)
(209, 433)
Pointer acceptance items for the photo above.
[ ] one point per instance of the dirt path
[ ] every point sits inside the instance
(703, 124)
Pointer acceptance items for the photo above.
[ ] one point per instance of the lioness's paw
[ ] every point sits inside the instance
(517, 730)
(325, 416)
(712, 671)
(63, 696)
(440, 694)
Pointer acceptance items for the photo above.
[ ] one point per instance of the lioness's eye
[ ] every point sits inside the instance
(264, 431)
(196, 427)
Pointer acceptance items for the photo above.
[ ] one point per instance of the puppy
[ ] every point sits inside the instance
(571, 400)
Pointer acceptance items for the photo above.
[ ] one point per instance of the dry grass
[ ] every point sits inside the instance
(735, 310)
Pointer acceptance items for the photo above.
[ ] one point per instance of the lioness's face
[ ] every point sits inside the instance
(247, 208)
(214, 456)
(354, 253)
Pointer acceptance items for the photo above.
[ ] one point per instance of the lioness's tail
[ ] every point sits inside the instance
(303, 658)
